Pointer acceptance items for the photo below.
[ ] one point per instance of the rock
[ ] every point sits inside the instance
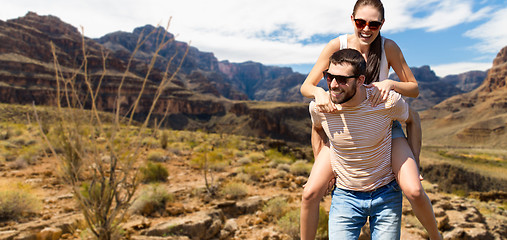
(229, 208)
(443, 223)
(300, 180)
(231, 225)
(201, 225)
(8, 234)
(137, 223)
(250, 205)
(159, 238)
(25, 236)
(174, 208)
(49, 234)
(455, 234)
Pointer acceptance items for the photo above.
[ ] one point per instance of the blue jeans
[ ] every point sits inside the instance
(350, 211)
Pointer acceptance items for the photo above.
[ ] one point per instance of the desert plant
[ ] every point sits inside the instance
(256, 156)
(301, 168)
(152, 199)
(153, 172)
(234, 190)
(289, 223)
(276, 207)
(16, 203)
(103, 189)
(156, 156)
(255, 171)
(164, 139)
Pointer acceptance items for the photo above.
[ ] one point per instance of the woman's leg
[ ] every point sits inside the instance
(407, 175)
(313, 192)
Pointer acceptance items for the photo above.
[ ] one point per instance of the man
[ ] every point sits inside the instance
(359, 136)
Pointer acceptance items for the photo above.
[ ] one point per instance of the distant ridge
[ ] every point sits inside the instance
(477, 118)
(193, 100)
(433, 89)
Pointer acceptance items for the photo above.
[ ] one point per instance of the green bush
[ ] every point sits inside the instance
(289, 223)
(276, 207)
(157, 156)
(301, 168)
(234, 190)
(255, 171)
(152, 199)
(277, 157)
(17, 203)
(153, 172)
(255, 156)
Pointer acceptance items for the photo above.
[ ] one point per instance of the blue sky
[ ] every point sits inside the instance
(451, 36)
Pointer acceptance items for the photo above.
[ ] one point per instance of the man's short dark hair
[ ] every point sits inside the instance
(352, 57)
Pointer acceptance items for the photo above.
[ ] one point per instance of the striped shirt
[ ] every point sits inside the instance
(360, 141)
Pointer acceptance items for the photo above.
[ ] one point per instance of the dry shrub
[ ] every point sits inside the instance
(157, 156)
(234, 190)
(153, 172)
(16, 203)
(255, 171)
(301, 168)
(152, 199)
(276, 207)
(81, 138)
(289, 223)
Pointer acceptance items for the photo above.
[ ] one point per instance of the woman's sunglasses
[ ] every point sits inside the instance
(342, 80)
(373, 25)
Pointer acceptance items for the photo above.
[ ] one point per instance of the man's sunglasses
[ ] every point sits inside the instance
(342, 80)
(373, 25)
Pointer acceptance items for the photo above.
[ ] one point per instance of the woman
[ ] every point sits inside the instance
(380, 54)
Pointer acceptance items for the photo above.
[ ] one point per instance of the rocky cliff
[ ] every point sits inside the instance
(432, 89)
(205, 74)
(467, 81)
(27, 70)
(477, 118)
(194, 99)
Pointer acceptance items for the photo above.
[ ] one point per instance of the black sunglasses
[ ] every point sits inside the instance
(361, 23)
(342, 80)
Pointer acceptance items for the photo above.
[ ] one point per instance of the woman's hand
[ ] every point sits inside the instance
(380, 91)
(323, 101)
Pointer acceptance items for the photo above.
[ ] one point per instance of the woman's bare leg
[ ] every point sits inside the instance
(313, 192)
(407, 175)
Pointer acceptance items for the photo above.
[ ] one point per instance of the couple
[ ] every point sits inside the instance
(353, 131)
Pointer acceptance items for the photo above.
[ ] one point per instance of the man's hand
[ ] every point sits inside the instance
(380, 91)
(330, 186)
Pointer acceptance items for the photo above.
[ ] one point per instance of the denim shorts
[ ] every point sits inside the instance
(351, 209)
(397, 130)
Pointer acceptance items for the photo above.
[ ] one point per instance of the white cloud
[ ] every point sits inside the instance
(460, 67)
(493, 33)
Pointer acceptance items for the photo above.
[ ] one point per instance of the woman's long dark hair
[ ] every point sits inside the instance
(375, 51)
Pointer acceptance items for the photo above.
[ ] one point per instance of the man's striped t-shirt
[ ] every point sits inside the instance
(360, 141)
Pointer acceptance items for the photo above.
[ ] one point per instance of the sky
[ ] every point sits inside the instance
(451, 36)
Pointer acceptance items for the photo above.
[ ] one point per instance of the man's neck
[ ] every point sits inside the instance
(357, 99)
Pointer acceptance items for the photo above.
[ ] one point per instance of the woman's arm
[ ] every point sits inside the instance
(408, 85)
(309, 88)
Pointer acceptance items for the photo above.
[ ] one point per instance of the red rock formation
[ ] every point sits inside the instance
(497, 76)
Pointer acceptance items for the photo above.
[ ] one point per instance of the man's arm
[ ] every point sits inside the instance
(319, 139)
(414, 133)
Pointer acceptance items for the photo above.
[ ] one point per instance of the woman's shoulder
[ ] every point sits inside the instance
(390, 46)
(336, 41)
